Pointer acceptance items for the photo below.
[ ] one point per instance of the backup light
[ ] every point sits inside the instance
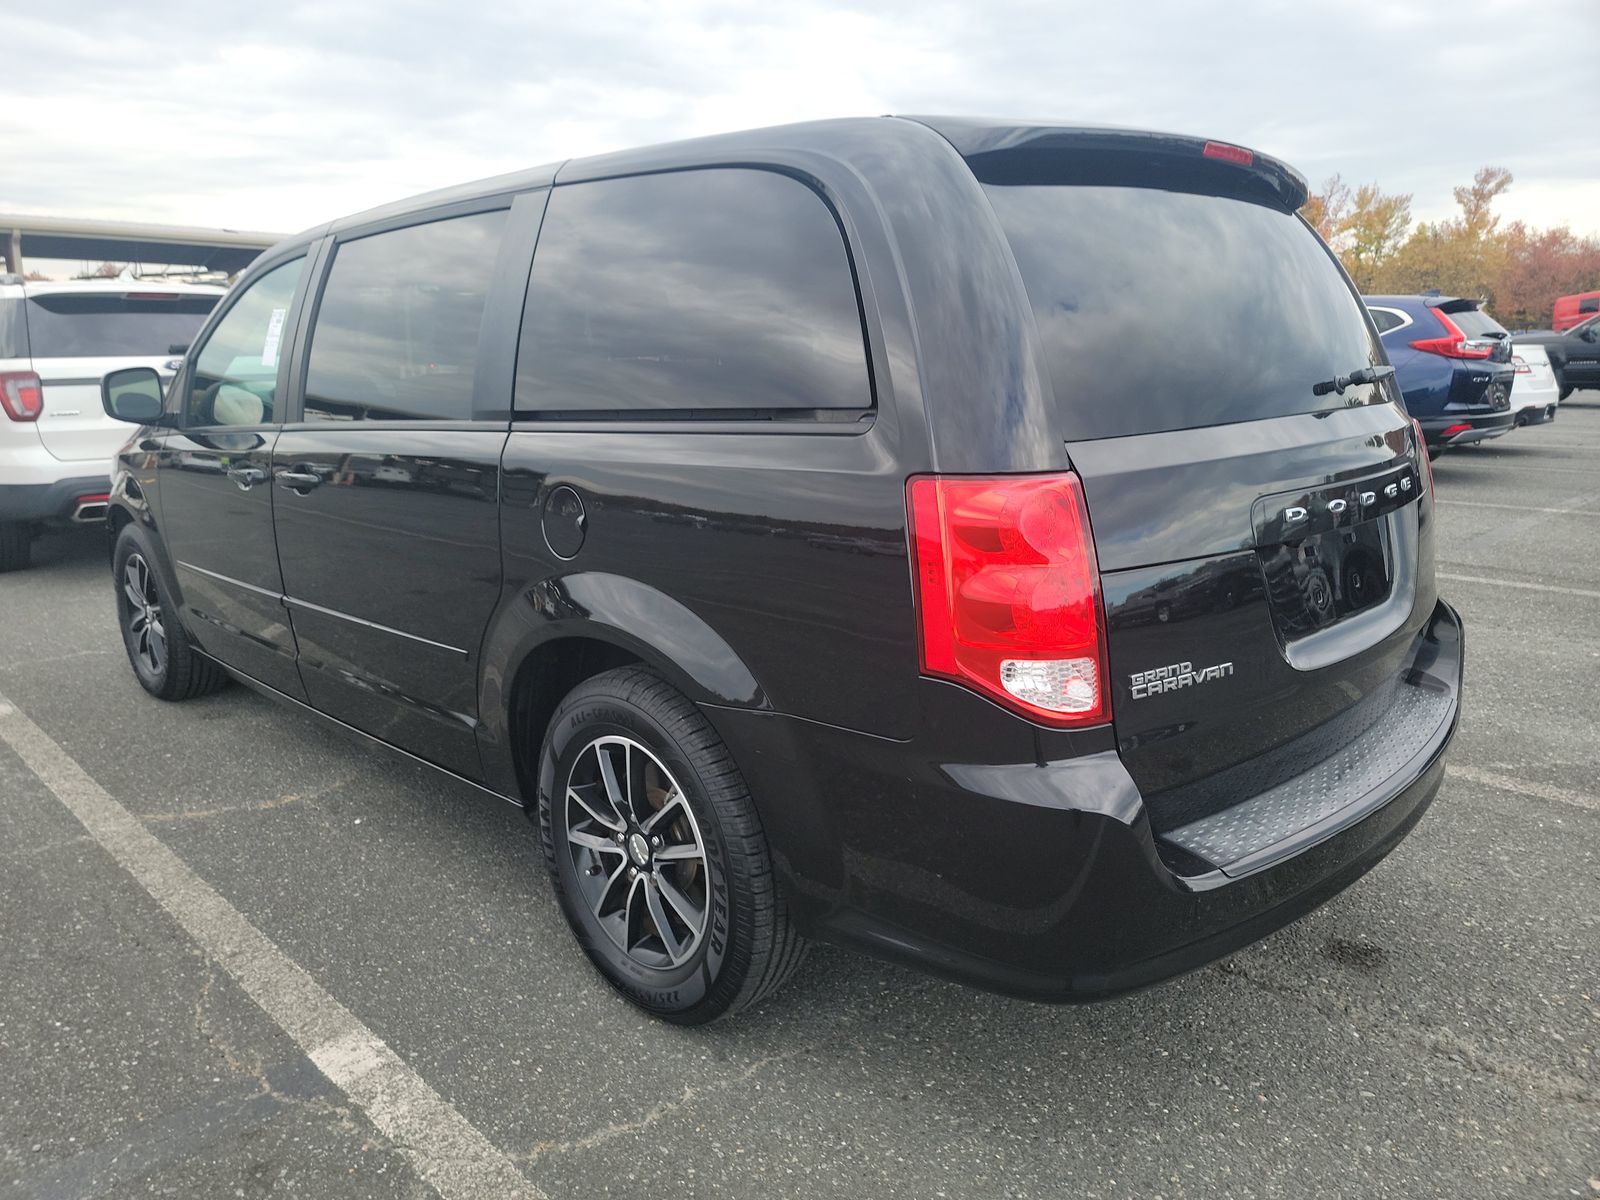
(1008, 592)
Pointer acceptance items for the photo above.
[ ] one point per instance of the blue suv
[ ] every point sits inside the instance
(1453, 365)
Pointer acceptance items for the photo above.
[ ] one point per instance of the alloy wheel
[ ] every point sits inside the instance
(637, 852)
(147, 635)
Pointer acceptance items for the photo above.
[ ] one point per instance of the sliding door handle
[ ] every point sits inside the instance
(298, 481)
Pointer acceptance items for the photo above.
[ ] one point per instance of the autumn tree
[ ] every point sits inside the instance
(1541, 264)
(1362, 225)
(1462, 256)
(1516, 270)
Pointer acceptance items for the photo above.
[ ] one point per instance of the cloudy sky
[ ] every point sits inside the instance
(278, 116)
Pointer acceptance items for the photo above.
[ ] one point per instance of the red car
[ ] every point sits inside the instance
(1574, 310)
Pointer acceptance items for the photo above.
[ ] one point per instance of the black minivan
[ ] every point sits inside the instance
(999, 546)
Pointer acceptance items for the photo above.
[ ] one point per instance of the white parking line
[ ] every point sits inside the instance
(445, 1149)
(1525, 787)
(1518, 583)
(1584, 512)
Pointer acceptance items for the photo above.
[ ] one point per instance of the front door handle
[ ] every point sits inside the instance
(298, 481)
(246, 477)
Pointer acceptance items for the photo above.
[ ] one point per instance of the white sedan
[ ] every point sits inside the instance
(1535, 394)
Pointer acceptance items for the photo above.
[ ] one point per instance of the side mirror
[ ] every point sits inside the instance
(132, 394)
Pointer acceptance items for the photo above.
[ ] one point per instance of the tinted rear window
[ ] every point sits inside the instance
(1476, 323)
(98, 324)
(691, 292)
(1172, 310)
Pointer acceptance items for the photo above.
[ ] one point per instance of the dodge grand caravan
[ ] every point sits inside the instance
(812, 531)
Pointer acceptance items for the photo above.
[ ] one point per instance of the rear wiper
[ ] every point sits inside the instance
(1360, 375)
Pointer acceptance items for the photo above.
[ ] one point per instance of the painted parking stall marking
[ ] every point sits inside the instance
(444, 1148)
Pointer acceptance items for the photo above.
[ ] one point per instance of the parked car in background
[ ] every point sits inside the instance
(56, 341)
(728, 506)
(1453, 364)
(1536, 394)
(1574, 355)
(1574, 310)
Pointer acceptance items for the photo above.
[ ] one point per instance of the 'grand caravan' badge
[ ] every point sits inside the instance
(1174, 676)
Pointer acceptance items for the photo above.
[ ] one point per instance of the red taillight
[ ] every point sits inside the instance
(21, 395)
(1521, 364)
(1227, 153)
(1008, 592)
(1422, 453)
(1454, 344)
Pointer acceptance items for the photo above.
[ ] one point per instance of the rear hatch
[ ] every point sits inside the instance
(1264, 550)
(76, 335)
(1482, 350)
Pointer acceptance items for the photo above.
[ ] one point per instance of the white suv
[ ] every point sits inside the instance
(56, 341)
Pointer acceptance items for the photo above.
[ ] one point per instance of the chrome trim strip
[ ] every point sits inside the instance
(238, 583)
(327, 612)
(333, 612)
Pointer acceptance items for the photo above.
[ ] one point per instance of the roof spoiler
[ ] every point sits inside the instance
(1055, 154)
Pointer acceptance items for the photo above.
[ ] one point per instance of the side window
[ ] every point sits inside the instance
(396, 335)
(721, 289)
(1385, 320)
(1589, 304)
(13, 330)
(235, 379)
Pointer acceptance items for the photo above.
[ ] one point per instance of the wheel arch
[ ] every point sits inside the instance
(548, 638)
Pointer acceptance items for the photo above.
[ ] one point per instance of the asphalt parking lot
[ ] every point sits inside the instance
(1435, 1031)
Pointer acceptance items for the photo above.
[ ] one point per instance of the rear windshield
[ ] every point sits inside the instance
(1167, 310)
(91, 325)
(1475, 323)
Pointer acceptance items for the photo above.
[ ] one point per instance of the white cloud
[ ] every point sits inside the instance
(283, 116)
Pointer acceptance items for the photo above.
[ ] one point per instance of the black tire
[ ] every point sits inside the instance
(747, 945)
(176, 671)
(16, 545)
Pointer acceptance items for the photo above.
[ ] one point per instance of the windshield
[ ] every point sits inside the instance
(1171, 310)
(106, 324)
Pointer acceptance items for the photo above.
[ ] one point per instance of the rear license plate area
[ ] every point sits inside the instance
(1328, 553)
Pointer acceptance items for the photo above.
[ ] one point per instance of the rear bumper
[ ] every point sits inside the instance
(49, 501)
(1040, 876)
(1463, 429)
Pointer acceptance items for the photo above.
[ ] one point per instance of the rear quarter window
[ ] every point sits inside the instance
(718, 291)
(1163, 310)
(13, 330)
(1386, 319)
(108, 324)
